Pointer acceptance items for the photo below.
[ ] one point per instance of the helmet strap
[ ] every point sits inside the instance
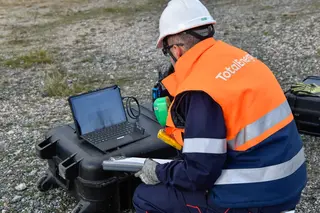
(196, 34)
(172, 56)
(199, 36)
(165, 44)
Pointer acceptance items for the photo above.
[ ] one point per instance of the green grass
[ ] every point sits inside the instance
(4, 81)
(56, 84)
(122, 81)
(266, 7)
(315, 5)
(88, 59)
(125, 11)
(59, 83)
(290, 15)
(20, 42)
(28, 60)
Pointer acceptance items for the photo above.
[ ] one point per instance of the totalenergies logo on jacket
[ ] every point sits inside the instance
(235, 67)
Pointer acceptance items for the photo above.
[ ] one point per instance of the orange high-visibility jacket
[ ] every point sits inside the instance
(265, 152)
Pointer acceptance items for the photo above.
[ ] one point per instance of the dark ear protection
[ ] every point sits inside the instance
(159, 90)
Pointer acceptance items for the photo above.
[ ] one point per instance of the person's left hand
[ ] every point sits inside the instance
(148, 172)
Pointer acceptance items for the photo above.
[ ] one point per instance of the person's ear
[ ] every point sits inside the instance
(176, 51)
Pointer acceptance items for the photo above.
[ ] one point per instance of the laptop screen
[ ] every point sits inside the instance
(98, 109)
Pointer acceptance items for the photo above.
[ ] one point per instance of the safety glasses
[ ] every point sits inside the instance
(167, 48)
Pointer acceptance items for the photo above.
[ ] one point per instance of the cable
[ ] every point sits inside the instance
(129, 107)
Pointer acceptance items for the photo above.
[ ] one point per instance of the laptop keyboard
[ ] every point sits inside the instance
(112, 132)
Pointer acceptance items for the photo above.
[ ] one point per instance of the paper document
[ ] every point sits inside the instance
(132, 164)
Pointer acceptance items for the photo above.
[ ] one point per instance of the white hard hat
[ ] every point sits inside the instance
(181, 15)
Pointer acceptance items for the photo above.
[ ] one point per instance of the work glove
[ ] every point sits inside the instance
(306, 89)
(148, 172)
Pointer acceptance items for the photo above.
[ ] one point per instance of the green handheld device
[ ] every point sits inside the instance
(161, 106)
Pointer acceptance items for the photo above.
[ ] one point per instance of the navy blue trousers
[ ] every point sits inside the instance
(165, 199)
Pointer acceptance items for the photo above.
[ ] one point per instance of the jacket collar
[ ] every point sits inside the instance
(184, 64)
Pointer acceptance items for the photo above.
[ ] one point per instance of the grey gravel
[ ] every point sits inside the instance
(16, 198)
(21, 186)
(284, 34)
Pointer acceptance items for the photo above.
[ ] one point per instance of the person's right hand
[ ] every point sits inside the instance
(148, 172)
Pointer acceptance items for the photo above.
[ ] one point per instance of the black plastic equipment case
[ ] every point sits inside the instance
(76, 166)
(306, 109)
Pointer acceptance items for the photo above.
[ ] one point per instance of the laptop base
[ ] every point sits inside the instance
(117, 143)
(128, 133)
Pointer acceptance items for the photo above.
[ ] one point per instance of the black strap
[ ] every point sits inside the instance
(194, 32)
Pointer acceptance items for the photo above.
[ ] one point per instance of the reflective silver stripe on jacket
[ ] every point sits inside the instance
(256, 175)
(258, 127)
(205, 145)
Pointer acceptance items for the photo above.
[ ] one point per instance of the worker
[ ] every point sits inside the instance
(241, 148)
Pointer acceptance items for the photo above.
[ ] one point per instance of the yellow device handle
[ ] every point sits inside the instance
(168, 140)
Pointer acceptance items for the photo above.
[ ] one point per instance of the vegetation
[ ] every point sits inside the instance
(125, 11)
(58, 83)
(28, 60)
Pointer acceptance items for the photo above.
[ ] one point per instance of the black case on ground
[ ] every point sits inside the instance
(76, 166)
(306, 109)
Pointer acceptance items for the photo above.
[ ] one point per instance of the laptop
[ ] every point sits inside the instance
(100, 119)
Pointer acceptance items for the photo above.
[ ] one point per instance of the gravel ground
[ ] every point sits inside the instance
(94, 40)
